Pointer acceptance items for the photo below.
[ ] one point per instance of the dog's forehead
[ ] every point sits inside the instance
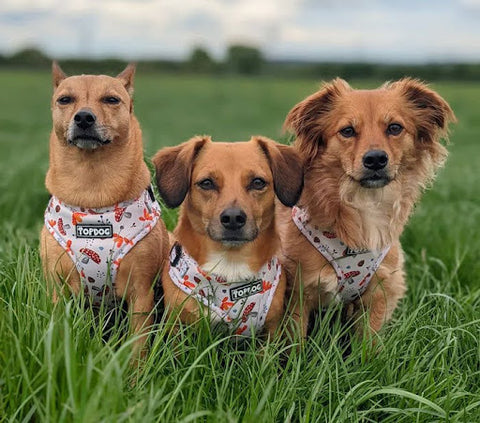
(232, 155)
(367, 96)
(370, 102)
(90, 83)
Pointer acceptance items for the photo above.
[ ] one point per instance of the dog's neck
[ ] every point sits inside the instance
(101, 177)
(231, 263)
(363, 218)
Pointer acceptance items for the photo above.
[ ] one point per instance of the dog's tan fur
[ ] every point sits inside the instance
(232, 166)
(101, 177)
(369, 218)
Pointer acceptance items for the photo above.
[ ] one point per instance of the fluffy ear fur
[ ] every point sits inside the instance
(432, 112)
(287, 170)
(126, 76)
(57, 75)
(173, 167)
(305, 119)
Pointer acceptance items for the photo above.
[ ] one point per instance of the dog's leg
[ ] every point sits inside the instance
(380, 299)
(58, 268)
(179, 304)
(298, 307)
(191, 311)
(296, 320)
(140, 302)
(272, 321)
(276, 311)
(299, 314)
(134, 283)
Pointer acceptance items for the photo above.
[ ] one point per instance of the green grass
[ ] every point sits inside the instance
(54, 365)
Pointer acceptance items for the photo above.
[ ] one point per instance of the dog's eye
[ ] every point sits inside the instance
(111, 100)
(206, 184)
(347, 132)
(394, 129)
(257, 184)
(66, 99)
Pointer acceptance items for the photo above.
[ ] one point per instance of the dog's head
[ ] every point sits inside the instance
(229, 188)
(374, 135)
(91, 111)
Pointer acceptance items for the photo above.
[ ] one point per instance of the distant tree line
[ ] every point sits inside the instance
(246, 60)
(240, 60)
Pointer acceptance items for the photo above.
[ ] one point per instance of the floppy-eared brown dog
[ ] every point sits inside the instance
(368, 155)
(224, 262)
(102, 232)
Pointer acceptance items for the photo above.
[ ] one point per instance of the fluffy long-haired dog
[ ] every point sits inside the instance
(224, 263)
(368, 156)
(103, 234)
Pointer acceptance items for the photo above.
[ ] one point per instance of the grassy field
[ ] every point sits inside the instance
(54, 365)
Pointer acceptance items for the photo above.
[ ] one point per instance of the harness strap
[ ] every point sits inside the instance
(354, 268)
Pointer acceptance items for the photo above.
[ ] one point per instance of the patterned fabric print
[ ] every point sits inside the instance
(354, 268)
(98, 239)
(242, 306)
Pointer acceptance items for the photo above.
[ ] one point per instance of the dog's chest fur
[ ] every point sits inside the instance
(231, 270)
(375, 227)
(377, 217)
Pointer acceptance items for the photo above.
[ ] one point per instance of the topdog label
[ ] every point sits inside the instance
(94, 231)
(352, 252)
(246, 290)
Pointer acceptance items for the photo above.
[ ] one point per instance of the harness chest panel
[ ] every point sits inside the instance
(242, 306)
(97, 239)
(354, 268)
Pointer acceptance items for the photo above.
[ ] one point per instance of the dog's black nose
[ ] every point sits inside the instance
(233, 218)
(375, 159)
(84, 119)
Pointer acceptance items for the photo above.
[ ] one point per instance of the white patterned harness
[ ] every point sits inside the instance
(98, 239)
(354, 268)
(242, 306)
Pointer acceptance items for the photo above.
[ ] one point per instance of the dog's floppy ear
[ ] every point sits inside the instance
(305, 119)
(126, 76)
(58, 75)
(173, 167)
(432, 112)
(287, 170)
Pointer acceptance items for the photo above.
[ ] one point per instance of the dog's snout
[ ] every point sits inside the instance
(84, 119)
(375, 159)
(233, 218)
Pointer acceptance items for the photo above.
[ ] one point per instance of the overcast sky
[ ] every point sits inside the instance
(368, 30)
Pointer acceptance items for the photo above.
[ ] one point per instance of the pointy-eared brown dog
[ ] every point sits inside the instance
(368, 155)
(224, 263)
(103, 234)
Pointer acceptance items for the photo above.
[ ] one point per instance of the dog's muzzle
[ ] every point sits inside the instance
(375, 174)
(83, 131)
(234, 228)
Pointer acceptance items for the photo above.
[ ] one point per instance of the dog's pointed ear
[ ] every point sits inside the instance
(173, 166)
(58, 75)
(287, 170)
(307, 119)
(432, 113)
(126, 76)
